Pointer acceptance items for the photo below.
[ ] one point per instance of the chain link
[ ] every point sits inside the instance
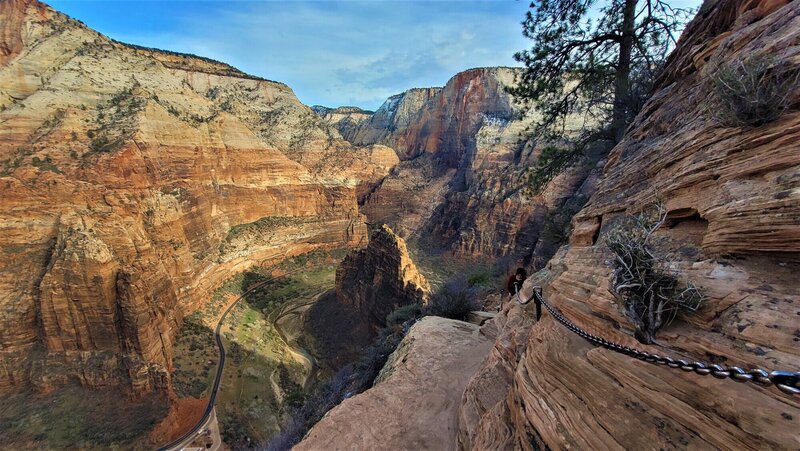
(786, 381)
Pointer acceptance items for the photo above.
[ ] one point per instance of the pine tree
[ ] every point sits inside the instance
(594, 61)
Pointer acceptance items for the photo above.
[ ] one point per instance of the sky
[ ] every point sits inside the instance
(330, 53)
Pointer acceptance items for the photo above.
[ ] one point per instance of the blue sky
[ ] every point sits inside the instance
(330, 53)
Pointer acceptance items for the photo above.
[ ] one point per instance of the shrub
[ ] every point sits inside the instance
(292, 390)
(45, 165)
(642, 280)
(552, 161)
(753, 91)
(479, 278)
(236, 352)
(404, 314)
(375, 357)
(453, 300)
(102, 144)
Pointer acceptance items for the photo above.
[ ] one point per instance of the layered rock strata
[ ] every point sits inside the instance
(380, 278)
(461, 183)
(133, 182)
(731, 194)
(396, 114)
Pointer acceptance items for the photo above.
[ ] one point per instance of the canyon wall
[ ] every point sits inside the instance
(133, 182)
(733, 207)
(378, 279)
(395, 115)
(461, 183)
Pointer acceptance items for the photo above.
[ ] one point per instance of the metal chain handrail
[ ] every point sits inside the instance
(786, 381)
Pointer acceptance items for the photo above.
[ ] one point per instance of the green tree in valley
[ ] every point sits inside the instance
(593, 62)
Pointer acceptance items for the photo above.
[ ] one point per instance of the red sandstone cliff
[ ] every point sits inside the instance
(380, 278)
(461, 183)
(383, 126)
(734, 205)
(734, 208)
(123, 174)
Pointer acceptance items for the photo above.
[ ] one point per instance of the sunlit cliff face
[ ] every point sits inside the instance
(125, 174)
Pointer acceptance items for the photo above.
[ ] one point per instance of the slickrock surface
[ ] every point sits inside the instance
(734, 207)
(380, 278)
(133, 182)
(413, 406)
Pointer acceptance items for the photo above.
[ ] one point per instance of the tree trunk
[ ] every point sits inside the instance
(622, 81)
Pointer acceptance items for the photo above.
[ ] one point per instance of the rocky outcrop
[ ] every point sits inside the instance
(380, 278)
(731, 193)
(411, 406)
(346, 119)
(461, 185)
(381, 127)
(134, 181)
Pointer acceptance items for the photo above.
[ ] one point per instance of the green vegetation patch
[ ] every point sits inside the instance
(195, 361)
(262, 379)
(243, 235)
(11, 164)
(265, 224)
(45, 165)
(116, 121)
(77, 418)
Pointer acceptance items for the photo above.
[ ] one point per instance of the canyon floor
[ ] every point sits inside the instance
(286, 334)
(268, 369)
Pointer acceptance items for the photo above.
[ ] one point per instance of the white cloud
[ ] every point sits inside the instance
(350, 52)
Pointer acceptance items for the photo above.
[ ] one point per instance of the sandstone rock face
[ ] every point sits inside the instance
(395, 115)
(346, 119)
(731, 195)
(461, 184)
(380, 278)
(133, 182)
(412, 406)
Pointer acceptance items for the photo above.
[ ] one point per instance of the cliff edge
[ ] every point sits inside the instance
(412, 406)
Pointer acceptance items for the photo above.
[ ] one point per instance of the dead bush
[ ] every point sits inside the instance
(753, 91)
(643, 281)
(453, 300)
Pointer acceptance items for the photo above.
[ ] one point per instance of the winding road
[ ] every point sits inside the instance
(187, 438)
(291, 309)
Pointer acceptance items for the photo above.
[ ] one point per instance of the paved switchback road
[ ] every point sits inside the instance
(185, 439)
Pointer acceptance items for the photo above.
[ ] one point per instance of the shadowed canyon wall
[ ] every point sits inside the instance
(461, 182)
(733, 203)
(378, 279)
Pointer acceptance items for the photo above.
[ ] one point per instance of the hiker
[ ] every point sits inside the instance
(516, 280)
(515, 285)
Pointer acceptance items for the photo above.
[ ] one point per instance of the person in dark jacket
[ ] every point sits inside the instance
(515, 285)
(516, 280)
